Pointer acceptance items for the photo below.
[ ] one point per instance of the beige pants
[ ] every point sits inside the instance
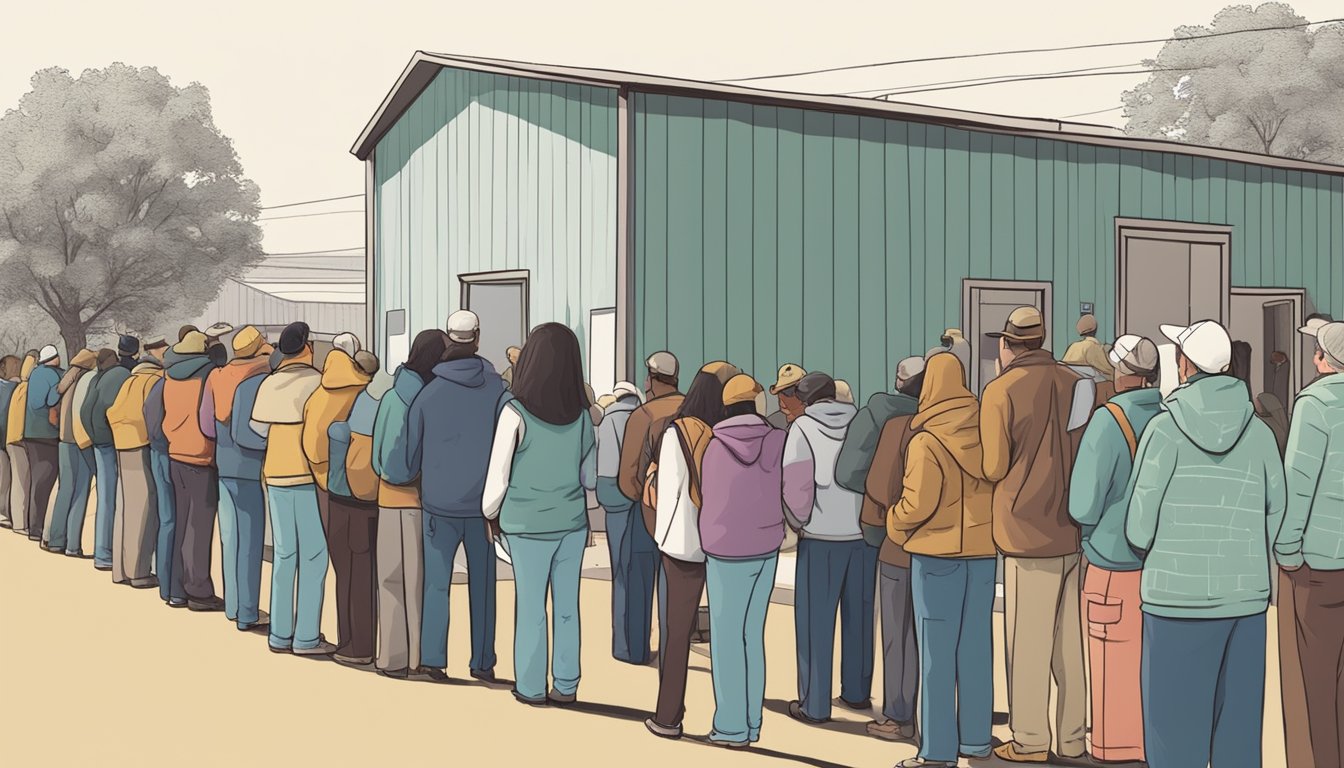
(20, 487)
(1044, 638)
(401, 584)
(134, 531)
(4, 484)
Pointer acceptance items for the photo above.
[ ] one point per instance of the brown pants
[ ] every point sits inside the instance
(685, 584)
(43, 463)
(352, 537)
(1318, 597)
(1296, 732)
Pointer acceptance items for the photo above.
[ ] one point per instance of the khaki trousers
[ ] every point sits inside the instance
(20, 487)
(135, 530)
(401, 584)
(1044, 638)
(4, 484)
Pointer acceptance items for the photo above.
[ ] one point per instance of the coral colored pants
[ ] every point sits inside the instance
(1114, 626)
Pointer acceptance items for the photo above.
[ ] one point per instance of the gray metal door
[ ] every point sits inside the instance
(500, 301)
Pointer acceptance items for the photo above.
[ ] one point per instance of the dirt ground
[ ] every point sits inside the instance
(91, 672)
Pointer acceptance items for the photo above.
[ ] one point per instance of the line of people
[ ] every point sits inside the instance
(1152, 527)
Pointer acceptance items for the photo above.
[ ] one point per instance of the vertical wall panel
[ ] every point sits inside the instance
(1001, 208)
(845, 326)
(739, 296)
(716, 230)
(1108, 202)
(935, 224)
(685, 245)
(818, 305)
(899, 254)
(789, 339)
(958, 211)
(1024, 208)
(765, 232)
(874, 374)
(919, 256)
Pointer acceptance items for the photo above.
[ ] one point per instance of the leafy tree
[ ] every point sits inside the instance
(1279, 93)
(124, 207)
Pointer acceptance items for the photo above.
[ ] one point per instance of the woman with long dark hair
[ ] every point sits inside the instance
(676, 531)
(542, 460)
(400, 555)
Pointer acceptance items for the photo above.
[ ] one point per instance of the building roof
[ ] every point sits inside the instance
(424, 66)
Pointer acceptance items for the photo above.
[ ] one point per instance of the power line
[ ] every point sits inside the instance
(1094, 112)
(1019, 80)
(307, 202)
(315, 253)
(304, 268)
(994, 77)
(306, 215)
(1023, 51)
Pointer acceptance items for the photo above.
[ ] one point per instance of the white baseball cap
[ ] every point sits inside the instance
(347, 343)
(663, 364)
(1313, 326)
(1205, 343)
(47, 354)
(1135, 355)
(626, 389)
(463, 325)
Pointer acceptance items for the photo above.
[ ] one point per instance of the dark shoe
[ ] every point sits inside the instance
(1012, 752)
(395, 674)
(38, 537)
(279, 649)
(561, 699)
(98, 567)
(148, 582)
(530, 702)
(433, 673)
(919, 762)
(323, 648)
(208, 605)
(731, 744)
(52, 550)
(797, 713)
(177, 603)
(858, 706)
(484, 675)
(352, 661)
(78, 555)
(663, 731)
(7, 524)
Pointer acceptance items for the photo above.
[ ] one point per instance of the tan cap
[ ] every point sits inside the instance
(84, 358)
(843, 393)
(247, 342)
(789, 376)
(740, 389)
(663, 363)
(1087, 324)
(721, 370)
(191, 344)
(1133, 355)
(1024, 324)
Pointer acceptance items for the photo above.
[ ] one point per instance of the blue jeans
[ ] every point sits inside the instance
(739, 596)
(1203, 691)
(831, 575)
(546, 561)
(635, 563)
(170, 581)
(242, 535)
(954, 607)
(105, 466)
(443, 536)
(299, 558)
(66, 531)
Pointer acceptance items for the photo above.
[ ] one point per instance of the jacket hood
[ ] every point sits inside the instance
(951, 414)
(1213, 412)
(470, 372)
(29, 365)
(86, 359)
(71, 376)
(187, 366)
(147, 366)
(282, 395)
(1329, 390)
(340, 372)
(407, 384)
(744, 437)
(834, 418)
(886, 405)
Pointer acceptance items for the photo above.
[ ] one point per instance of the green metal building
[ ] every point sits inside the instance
(840, 233)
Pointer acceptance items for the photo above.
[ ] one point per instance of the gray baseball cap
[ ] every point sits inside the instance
(1330, 338)
(663, 364)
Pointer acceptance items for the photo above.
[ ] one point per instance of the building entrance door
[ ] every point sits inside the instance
(1171, 273)
(1268, 319)
(499, 299)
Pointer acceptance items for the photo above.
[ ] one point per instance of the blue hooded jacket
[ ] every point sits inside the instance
(158, 439)
(239, 450)
(449, 432)
(42, 397)
(390, 454)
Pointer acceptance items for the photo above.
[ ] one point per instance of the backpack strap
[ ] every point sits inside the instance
(1126, 428)
(692, 467)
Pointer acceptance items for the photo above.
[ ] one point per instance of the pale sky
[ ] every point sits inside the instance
(293, 83)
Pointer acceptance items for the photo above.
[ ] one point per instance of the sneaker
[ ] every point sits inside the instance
(797, 713)
(890, 730)
(8, 524)
(323, 648)
(731, 744)
(433, 673)
(484, 675)
(280, 648)
(919, 762)
(561, 699)
(1014, 753)
(263, 622)
(663, 731)
(101, 567)
(205, 605)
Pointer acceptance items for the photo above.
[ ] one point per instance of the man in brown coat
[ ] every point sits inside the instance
(1028, 454)
(639, 554)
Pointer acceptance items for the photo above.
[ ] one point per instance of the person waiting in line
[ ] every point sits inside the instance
(680, 458)
(639, 554)
(41, 436)
(299, 566)
(836, 568)
(943, 519)
(511, 354)
(449, 432)
(741, 530)
(785, 390)
(9, 381)
(1097, 502)
(400, 552)
(192, 467)
(954, 341)
(617, 508)
(1206, 500)
(137, 522)
(102, 393)
(21, 476)
(66, 526)
(872, 462)
(1089, 351)
(170, 578)
(542, 459)
(128, 351)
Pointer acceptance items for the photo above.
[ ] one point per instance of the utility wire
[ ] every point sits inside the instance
(306, 215)
(307, 202)
(328, 251)
(1094, 112)
(1023, 51)
(995, 77)
(1023, 80)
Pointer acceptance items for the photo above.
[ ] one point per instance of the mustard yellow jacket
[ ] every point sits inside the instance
(126, 415)
(342, 381)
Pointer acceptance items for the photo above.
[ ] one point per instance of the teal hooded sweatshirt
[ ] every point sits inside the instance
(1313, 526)
(1100, 480)
(1205, 504)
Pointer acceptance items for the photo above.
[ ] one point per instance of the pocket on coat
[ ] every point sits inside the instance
(1100, 617)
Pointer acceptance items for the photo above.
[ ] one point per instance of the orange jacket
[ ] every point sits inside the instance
(182, 389)
(126, 415)
(342, 381)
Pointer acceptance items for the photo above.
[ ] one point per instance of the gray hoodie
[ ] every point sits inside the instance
(812, 498)
(610, 435)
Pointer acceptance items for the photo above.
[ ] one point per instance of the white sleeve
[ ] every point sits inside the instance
(508, 433)
(672, 472)
(260, 427)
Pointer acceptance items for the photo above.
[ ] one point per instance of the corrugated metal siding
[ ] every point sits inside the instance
(241, 304)
(840, 242)
(486, 172)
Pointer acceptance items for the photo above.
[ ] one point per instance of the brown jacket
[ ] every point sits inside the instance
(1028, 454)
(945, 505)
(647, 423)
(885, 484)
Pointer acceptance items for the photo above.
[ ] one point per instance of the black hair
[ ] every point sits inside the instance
(548, 379)
(739, 409)
(704, 400)
(1321, 316)
(427, 352)
(671, 381)
(456, 350)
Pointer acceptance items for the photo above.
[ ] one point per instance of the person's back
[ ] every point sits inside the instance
(182, 387)
(1313, 528)
(42, 397)
(743, 514)
(105, 388)
(340, 383)
(610, 437)
(642, 429)
(451, 423)
(279, 405)
(815, 439)
(545, 494)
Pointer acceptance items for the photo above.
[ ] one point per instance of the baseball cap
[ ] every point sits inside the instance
(1205, 343)
(347, 343)
(47, 354)
(367, 361)
(1133, 355)
(909, 368)
(1024, 324)
(663, 364)
(1087, 324)
(811, 385)
(741, 389)
(217, 330)
(843, 393)
(721, 370)
(626, 389)
(191, 344)
(293, 338)
(247, 342)
(463, 326)
(1330, 338)
(1313, 326)
(789, 376)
